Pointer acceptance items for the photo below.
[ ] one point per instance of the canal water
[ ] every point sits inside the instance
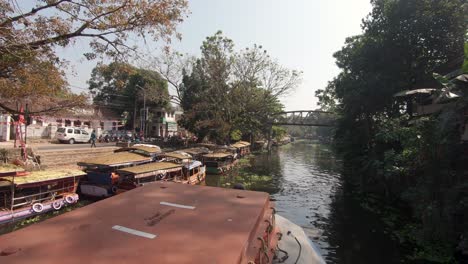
(304, 179)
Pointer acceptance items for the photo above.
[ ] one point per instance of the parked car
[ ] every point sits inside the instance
(72, 134)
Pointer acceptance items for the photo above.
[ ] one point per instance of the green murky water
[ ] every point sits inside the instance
(305, 181)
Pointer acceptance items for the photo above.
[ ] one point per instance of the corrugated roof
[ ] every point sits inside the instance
(154, 166)
(45, 175)
(115, 158)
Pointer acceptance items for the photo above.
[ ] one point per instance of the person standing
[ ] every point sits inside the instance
(93, 139)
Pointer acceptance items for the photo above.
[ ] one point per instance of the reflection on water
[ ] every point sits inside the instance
(305, 181)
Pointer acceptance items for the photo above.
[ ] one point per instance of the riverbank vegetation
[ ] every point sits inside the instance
(392, 146)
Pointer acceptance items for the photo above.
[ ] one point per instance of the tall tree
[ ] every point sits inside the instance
(230, 93)
(30, 33)
(172, 66)
(403, 43)
(124, 88)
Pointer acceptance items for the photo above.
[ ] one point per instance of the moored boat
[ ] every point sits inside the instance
(37, 192)
(133, 177)
(164, 223)
(101, 177)
(194, 172)
(218, 163)
(242, 147)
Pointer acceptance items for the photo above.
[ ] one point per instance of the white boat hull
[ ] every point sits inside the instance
(308, 252)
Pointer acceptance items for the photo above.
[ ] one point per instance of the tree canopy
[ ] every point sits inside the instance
(386, 151)
(121, 87)
(231, 94)
(30, 32)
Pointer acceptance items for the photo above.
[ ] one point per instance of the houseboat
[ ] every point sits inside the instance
(132, 177)
(218, 163)
(242, 148)
(194, 173)
(26, 194)
(190, 172)
(166, 223)
(101, 177)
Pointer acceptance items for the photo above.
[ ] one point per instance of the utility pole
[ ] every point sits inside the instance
(134, 116)
(143, 114)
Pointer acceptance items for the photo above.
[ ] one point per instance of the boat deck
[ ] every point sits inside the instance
(161, 222)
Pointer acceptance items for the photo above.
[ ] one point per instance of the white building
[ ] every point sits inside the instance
(46, 126)
(164, 123)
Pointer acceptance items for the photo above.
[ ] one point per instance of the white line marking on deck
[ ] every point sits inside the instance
(133, 232)
(178, 205)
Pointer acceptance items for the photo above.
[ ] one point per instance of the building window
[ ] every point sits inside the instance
(67, 122)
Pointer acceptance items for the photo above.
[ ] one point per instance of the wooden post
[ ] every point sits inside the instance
(270, 143)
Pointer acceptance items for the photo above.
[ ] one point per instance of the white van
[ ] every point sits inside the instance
(72, 135)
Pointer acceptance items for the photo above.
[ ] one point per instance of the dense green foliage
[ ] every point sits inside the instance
(229, 95)
(122, 87)
(418, 161)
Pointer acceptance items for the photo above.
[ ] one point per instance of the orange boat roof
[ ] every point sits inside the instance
(161, 222)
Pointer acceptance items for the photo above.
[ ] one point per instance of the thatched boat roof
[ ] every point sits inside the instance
(115, 159)
(240, 144)
(151, 149)
(9, 168)
(217, 155)
(149, 167)
(45, 175)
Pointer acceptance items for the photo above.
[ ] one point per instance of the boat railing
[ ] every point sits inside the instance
(37, 196)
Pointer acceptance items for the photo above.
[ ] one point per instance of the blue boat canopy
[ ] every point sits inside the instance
(193, 164)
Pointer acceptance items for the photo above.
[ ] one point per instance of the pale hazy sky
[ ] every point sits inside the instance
(301, 34)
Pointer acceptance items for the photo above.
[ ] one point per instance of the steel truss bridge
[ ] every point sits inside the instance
(304, 118)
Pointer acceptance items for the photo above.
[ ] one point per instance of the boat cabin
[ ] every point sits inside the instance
(133, 177)
(194, 172)
(36, 192)
(218, 163)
